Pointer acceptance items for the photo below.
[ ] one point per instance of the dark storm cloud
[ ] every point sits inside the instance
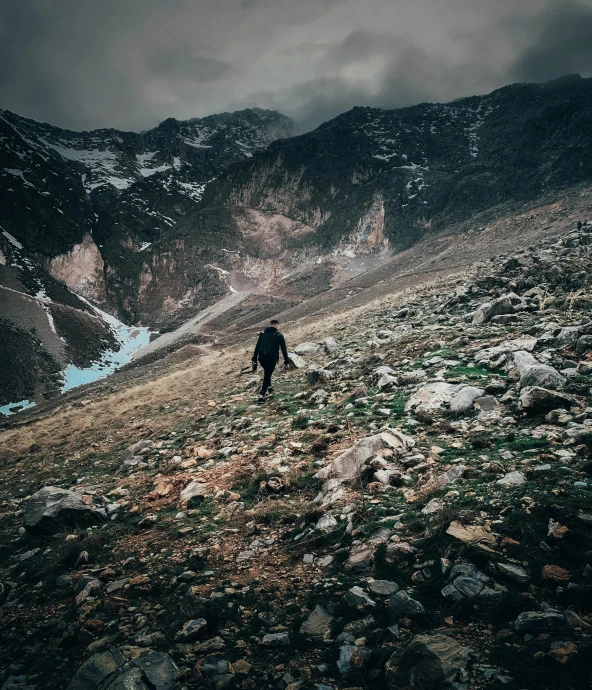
(132, 63)
(180, 62)
(562, 44)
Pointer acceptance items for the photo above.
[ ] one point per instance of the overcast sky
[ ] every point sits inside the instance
(132, 63)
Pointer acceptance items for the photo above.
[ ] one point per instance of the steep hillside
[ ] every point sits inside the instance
(50, 338)
(411, 509)
(91, 204)
(374, 177)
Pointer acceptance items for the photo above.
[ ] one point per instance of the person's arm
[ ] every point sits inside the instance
(256, 351)
(284, 349)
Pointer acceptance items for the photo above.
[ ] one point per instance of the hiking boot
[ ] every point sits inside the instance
(260, 400)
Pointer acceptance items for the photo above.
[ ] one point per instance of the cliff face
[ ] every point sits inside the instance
(370, 174)
(91, 206)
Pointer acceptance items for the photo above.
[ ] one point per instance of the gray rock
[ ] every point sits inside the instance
(193, 490)
(316, 376)
(348, 465)
(29, 554)
(384, 587)
(512, 479)
(281, 639)
(318, 624)
(487, 404)
(568, 336)
(514, 572)
(433, 506)
(469, 587)
(524, 359)
(191, 629)
(463, 400)
(401, 605)
(217, 671)
(64, 580)
(506, 304)
(467, 570)
(359, 559)
(319, 396)
(584, 344)
(451, 593)
(96, 669)
(134, 454)
(306, 349)
(387, 382)
(158, 668)
(114, 670)
(357, 597)
(297, 361)
(52, 507)
(541, 375)
(116, 585)
(344, 663)
(574, 622)
(428, 662)
(330, 345)
(535, 621)
(432, 398)
(536, 399)
(326, 523)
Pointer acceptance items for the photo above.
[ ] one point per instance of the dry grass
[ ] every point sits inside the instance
(183, 391)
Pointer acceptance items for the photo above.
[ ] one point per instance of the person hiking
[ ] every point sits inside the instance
(267, 354)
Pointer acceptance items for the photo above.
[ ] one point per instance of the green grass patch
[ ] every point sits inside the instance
(472, 372)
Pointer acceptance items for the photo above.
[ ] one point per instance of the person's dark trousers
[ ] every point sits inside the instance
(268, 364)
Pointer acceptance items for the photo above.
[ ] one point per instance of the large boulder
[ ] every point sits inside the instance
(462, 401)
(537, 399)
(52, 507)
(523, 359)
(568, 336)
(541, 375)
(498, 353)
(428, 662)
(507, 304)
(432, 398)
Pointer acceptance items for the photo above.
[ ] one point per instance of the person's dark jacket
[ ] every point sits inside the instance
(269, 343)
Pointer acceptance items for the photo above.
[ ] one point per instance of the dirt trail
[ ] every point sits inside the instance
(194, 325)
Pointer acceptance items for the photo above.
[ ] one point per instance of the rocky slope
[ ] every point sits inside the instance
(413, 509)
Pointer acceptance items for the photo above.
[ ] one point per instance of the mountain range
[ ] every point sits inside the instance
(154, 227)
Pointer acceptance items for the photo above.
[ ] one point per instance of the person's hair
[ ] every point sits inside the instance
(274, 322)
